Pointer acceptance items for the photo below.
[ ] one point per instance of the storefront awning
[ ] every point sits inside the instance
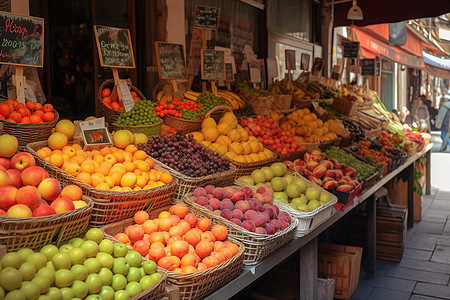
(372, 47)
(390, 11)
(437, 66)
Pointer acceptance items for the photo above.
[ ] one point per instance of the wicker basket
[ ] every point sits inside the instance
(110, 114)
(182, 125)
(148, 130)
(257, 246)
(344, 107)
(36, 232)
(281, 103)
(156, 292)
(29, 133)
(195, 285)
(1, 127)
(261, 105)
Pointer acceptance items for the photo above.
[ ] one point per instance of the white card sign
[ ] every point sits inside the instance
(125, 95)
(94, 132)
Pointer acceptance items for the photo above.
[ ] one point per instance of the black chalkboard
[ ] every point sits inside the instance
(213, 64)
(367, 67)
(21, 39)
(206, 17)
(114, 47)
(171, 60)
(229, 75)
(351, 49)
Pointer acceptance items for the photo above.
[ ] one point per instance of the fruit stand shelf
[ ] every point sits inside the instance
(251, 273)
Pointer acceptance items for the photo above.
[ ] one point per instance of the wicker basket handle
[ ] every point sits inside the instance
(220, 107)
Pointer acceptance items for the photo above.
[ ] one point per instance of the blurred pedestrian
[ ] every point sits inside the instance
(443, 121)
(421, 113)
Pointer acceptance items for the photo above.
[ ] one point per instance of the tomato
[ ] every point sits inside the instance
(133, 94)
(106, 92)
(47, 107)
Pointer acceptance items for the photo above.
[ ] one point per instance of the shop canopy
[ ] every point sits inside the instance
(390, 11)
(437, 66)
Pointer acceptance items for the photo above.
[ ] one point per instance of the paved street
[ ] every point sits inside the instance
(424, 272)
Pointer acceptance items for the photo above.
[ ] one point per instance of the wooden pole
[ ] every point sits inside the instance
(116, 83)
(19, 83)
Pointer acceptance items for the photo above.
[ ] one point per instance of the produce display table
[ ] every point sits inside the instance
(307, 245)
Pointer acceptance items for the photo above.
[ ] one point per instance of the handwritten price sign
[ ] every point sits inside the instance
(114, 47)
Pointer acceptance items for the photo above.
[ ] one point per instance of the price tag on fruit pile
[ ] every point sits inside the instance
(94, 132)
(125, 95)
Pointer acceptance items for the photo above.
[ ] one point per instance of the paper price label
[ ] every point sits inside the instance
(125, 95)
(93, 124)
(94, 132)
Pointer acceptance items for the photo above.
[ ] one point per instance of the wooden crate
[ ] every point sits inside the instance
(391, 231)
(342, 263)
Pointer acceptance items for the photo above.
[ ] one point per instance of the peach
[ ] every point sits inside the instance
(33, 175)
(270, 212)
(214, 203)
(284, 215)
(236, 221)
(249, 214)
(284, 223)
(217, 211)
(256, 206)
(227, 214)
(199, 191)
(62, 204)
(228, 192)
(259, 220)
(19, 211)
(14, 175)
(22, 160)
(201, 201)
(7, 197)
(226, 204)
(274, 207)
(3, 213)
(260, 230)
(5, 179)
(209, 188)
(28, 195)
(276, 224)
(269, 228)
(208, 207)
(237, 213)
(242, 205)
(247, 191)
(209, 196)
(263, 189)
(50, 189)
(5, 163)
(319, 171)
(268, 198)
(259, 198)
(249, 225)
(218, 193)
(43, 210)
(237, 196)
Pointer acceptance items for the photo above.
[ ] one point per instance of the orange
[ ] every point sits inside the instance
(220, 232)
(105, 150)
(204, 224)
(137, 188)
(111, 158)
(166, 178)
(140, 155)
(130, 166)
(118, 168)
(98, 158)
(192, 237)
(97, 178)
(128, 180)
(122, 237)
(44, 152)
(156, 253)
(85, 177)
(208, 236)
(219, 256)
(140, 217)
(56, 159)
(218, 245)
(141, 182)
(135, 233)
(116, 189)
(149, 227)
(176, 231)
(203, 249)
(166, 263)
(72, 191)
(164, 214)
(128, 156)
(73, 169)
(69, 150)
(119, 156)
(103, 169)
(157, 237)
(176, 260)
(180, 209)
(78, 159)
(116, 176)
(165, 224)
(201, 267)
(179, 248)
(234, 248)
(150, 162)
(188, 269)
(210, 261)
(227, 253)
(102, 186)
(142, 165)
(126, 189)
(191, 219)
(77, 147)
(110, 181)
(189, 259)
(131, 148)
(88, 166)
(185, 225)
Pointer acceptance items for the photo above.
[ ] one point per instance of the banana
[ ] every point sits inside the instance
(196, 94)
(190, 97)
(238, 99)
(233, 102)
(159, 95)
(166, 98)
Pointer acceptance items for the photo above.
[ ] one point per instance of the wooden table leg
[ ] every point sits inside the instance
(428, 173)
(308, 271)
(410, 170)
(371, 236)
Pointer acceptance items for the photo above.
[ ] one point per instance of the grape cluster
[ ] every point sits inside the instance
(208, 102)
(183, 154)
(190, 115)
(141, 114)
(352, 127)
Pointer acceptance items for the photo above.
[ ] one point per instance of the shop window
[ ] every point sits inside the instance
(290, 17)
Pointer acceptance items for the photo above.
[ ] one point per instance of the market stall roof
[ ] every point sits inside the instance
(389, 11)
(437, 66)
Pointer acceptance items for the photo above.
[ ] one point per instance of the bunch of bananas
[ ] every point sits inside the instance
(288, 85)
(161, 96)
(233, 99)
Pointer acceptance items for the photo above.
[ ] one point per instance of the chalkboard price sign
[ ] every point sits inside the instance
(229, 75)
(213, 64)
(290, 59)
(367, 67)
(114, 47)
(171, 60)
(21, 39)
(206, 17)
(351, 49)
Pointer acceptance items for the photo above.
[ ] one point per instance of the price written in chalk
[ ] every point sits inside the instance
(21, 40)
(171, 60)
(114, 47)
(206, 17)
(213, 65)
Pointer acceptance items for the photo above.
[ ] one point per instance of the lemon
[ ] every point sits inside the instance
(66, 127)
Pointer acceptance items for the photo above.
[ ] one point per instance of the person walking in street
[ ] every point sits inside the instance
(443, 121)
(421, 114)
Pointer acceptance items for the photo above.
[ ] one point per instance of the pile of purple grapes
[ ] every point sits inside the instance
(183, 154)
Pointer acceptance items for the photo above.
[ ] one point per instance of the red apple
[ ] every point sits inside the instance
(62, 204)
(43, 210)
(50, 189)
(5, 162)
(15, 178)
(19, 211)
(22, 160)
(7, 197)
(33, 175)
(3, 213)
(28, 195)
(5, 180)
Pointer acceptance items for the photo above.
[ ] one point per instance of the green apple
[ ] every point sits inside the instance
(313, 204)
(90, 247)
(134, 258)
(300, 200)
(80, 272)
(76, 242)
(49, 251)
(65, 248)
(247, 179)
(258, 176)
(42, 282)
(105, 259)
(54, 293)
(106, 275)
(324, 197)
(312, 194)
(156, 276)
(293, 190)
(10, 279)
(269, 173)
(47, 272)
(38, 259)
(12, 259)
(147, 282)
(120, 250)
(107, 293)
(15, 295)
(30, 289)
(280, 196)
(79, 289)
(45, 297)
(77, 255)
(93, 265)
(94, 234)
(93, 297)
(119, 282)
(28, 271)
(50, 265)
(61, 260)
(24, 252)
(121, 295)
(67, 293)
(289, 178)
(278, 184)
(121, 266)
(106, 246)
(149, 266)
(63, 278)
(293, 205)
(279, 169)
(133, 288)
(94, 283)
(134, 274)
(142, 272)
(303, 207)
(301, 182)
